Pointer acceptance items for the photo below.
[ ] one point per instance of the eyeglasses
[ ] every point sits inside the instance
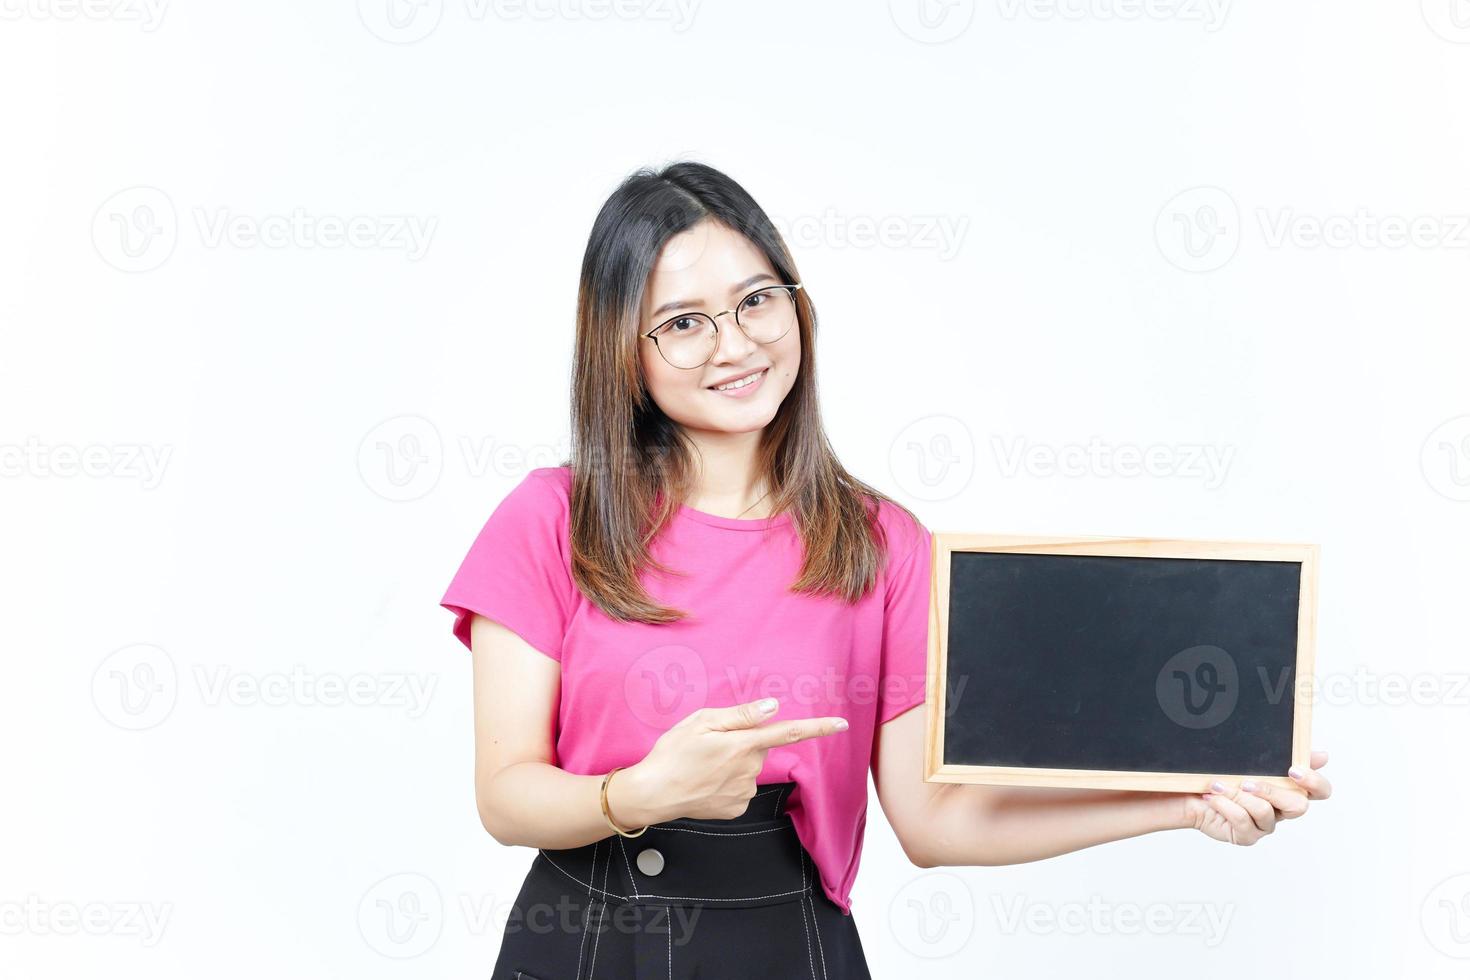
(689, 340)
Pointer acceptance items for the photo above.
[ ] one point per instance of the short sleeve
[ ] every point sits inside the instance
(517, 572)
(905, 654)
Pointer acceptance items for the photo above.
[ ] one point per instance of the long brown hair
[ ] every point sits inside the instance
(632, 466)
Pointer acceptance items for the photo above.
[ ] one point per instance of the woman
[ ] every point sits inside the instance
(692, 640)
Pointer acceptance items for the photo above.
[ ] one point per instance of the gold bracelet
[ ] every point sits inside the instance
(605, 780)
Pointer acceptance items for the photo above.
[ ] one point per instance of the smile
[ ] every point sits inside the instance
(743, 386)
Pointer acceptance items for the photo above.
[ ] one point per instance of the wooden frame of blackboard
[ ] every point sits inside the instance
(946, 543)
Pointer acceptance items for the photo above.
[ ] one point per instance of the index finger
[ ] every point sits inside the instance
(790, 730)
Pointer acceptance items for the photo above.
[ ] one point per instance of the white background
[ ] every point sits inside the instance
(1178, 226)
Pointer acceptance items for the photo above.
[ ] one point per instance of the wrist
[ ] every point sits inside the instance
(1176, 814)
(630, 799)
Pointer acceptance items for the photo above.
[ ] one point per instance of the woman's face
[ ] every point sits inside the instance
(709, 268)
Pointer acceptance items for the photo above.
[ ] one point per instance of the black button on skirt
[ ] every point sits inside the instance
(707, 899)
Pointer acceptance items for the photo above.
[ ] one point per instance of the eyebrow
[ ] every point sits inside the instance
(739, 287)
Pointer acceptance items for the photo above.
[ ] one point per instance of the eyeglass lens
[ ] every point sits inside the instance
(689, 339)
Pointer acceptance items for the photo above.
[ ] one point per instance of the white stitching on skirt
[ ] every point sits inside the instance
(587, 913)
(587, 885)
(718, 833)
(674, 898)
(810, 965)
(810, 898)
(816, 927)
(820, 951)
(742, 898)
(601, 910)
(777, 811)
(631, 880)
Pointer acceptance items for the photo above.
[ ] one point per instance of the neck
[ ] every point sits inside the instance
(727, 481)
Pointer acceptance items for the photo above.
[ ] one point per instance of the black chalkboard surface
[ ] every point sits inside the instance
(1118, 663)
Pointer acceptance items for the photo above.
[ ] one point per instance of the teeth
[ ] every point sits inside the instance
(749, 379)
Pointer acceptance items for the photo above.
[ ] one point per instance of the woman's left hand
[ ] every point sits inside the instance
(1246, 812)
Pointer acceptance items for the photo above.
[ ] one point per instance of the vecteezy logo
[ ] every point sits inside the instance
(1445, 458)
(401, 916)
(1198, 230)
(933, 916)
(932, 21)
(400, 21)
(136, 687)
(665, 684)
(401, 459)
(1450, 19)
(135, 230)
(1445, 917)
(933, 458)
(1198, 687)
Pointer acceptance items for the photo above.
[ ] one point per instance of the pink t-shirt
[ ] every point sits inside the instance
(746, 637)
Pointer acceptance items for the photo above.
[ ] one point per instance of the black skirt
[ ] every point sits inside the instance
(707, 899)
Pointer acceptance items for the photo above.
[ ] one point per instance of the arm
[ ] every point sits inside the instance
(952, 824)
(522, 797)
(705, 766)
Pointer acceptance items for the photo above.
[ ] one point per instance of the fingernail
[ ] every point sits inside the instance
(841, 725)
(1294, 772)
(1206, 796)
(1249, 785)
(1218, 786)
(768, 705)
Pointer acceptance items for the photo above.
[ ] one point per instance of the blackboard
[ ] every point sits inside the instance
(1117, 662)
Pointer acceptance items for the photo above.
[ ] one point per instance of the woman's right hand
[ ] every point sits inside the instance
(705, 767)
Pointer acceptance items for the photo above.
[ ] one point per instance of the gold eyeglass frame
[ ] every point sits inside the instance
(792, 287)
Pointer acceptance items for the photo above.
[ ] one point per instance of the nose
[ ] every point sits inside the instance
(731, 344)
